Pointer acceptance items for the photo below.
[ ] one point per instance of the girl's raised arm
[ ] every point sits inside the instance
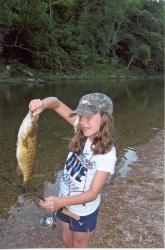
(37, 106)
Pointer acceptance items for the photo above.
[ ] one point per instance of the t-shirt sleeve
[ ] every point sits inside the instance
(107, 161)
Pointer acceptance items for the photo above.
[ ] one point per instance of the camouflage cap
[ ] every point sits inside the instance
(93, 103)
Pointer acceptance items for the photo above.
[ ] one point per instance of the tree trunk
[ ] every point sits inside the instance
(50, 8)
(129, 64)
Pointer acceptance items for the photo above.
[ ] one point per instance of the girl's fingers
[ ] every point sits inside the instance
(36, 103)
(36, 112)
(35, 106)
(44, 205)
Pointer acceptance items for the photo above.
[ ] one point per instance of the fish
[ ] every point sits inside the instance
(26, 147)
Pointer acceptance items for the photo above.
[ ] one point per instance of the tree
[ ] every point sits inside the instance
(5, 23)
(69, 35)
(140, 53)
(142, 36)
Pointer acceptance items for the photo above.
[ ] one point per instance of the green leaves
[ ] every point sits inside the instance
(64, 35)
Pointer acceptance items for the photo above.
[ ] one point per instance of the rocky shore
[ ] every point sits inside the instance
(132, 211)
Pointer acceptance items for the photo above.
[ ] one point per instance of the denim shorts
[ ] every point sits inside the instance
(85, 224)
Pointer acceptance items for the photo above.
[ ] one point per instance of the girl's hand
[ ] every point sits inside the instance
(51, 203)
(36, 106)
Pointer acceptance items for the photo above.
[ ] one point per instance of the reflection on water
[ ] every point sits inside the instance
(130, 156)
(138, 108)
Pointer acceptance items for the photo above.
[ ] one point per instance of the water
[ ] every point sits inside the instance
(123, 167)
(138, 113)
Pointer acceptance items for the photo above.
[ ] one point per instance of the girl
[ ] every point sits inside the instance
(92, 157)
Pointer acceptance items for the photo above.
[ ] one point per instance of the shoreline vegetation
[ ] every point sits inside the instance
(15, 75)
(77, 39)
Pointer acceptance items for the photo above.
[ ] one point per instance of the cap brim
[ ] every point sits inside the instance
(82, 112)
(72, 114)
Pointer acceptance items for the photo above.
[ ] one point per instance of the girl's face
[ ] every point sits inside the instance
(90, 125)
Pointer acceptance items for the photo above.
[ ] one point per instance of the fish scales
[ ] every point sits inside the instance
(27, 146)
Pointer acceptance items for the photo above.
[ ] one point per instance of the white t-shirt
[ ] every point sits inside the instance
(78, 174)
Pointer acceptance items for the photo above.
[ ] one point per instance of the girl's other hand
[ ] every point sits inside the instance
(51, 203)
(36, 106)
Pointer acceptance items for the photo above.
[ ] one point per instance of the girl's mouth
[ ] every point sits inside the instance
(84, 129)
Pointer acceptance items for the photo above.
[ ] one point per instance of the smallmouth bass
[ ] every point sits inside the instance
(27, 147)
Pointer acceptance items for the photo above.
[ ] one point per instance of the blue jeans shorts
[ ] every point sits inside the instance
(85, 224)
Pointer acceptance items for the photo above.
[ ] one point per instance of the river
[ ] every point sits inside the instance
(138, 114)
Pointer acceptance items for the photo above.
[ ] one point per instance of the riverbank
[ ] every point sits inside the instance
(21, 74)
(131, 214)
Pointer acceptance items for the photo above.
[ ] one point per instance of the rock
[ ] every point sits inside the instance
(6, 73)
(27, 72)
(40, 81)
(31, 81)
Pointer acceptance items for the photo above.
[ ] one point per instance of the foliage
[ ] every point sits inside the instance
(71, 35)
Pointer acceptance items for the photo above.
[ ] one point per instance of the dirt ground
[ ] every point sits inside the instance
(132, 211)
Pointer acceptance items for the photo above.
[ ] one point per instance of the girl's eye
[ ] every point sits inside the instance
(89, 118)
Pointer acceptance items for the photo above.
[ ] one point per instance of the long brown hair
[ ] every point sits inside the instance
(101, 144)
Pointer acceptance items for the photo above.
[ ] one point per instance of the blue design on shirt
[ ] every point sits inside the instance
(76, 167)
(75, 172)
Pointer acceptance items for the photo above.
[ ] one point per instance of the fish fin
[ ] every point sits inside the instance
(18, 170)
(29, 187)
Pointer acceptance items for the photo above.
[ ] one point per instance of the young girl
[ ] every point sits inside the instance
(92, 157)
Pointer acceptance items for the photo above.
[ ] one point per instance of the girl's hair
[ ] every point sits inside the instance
(102, 143)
